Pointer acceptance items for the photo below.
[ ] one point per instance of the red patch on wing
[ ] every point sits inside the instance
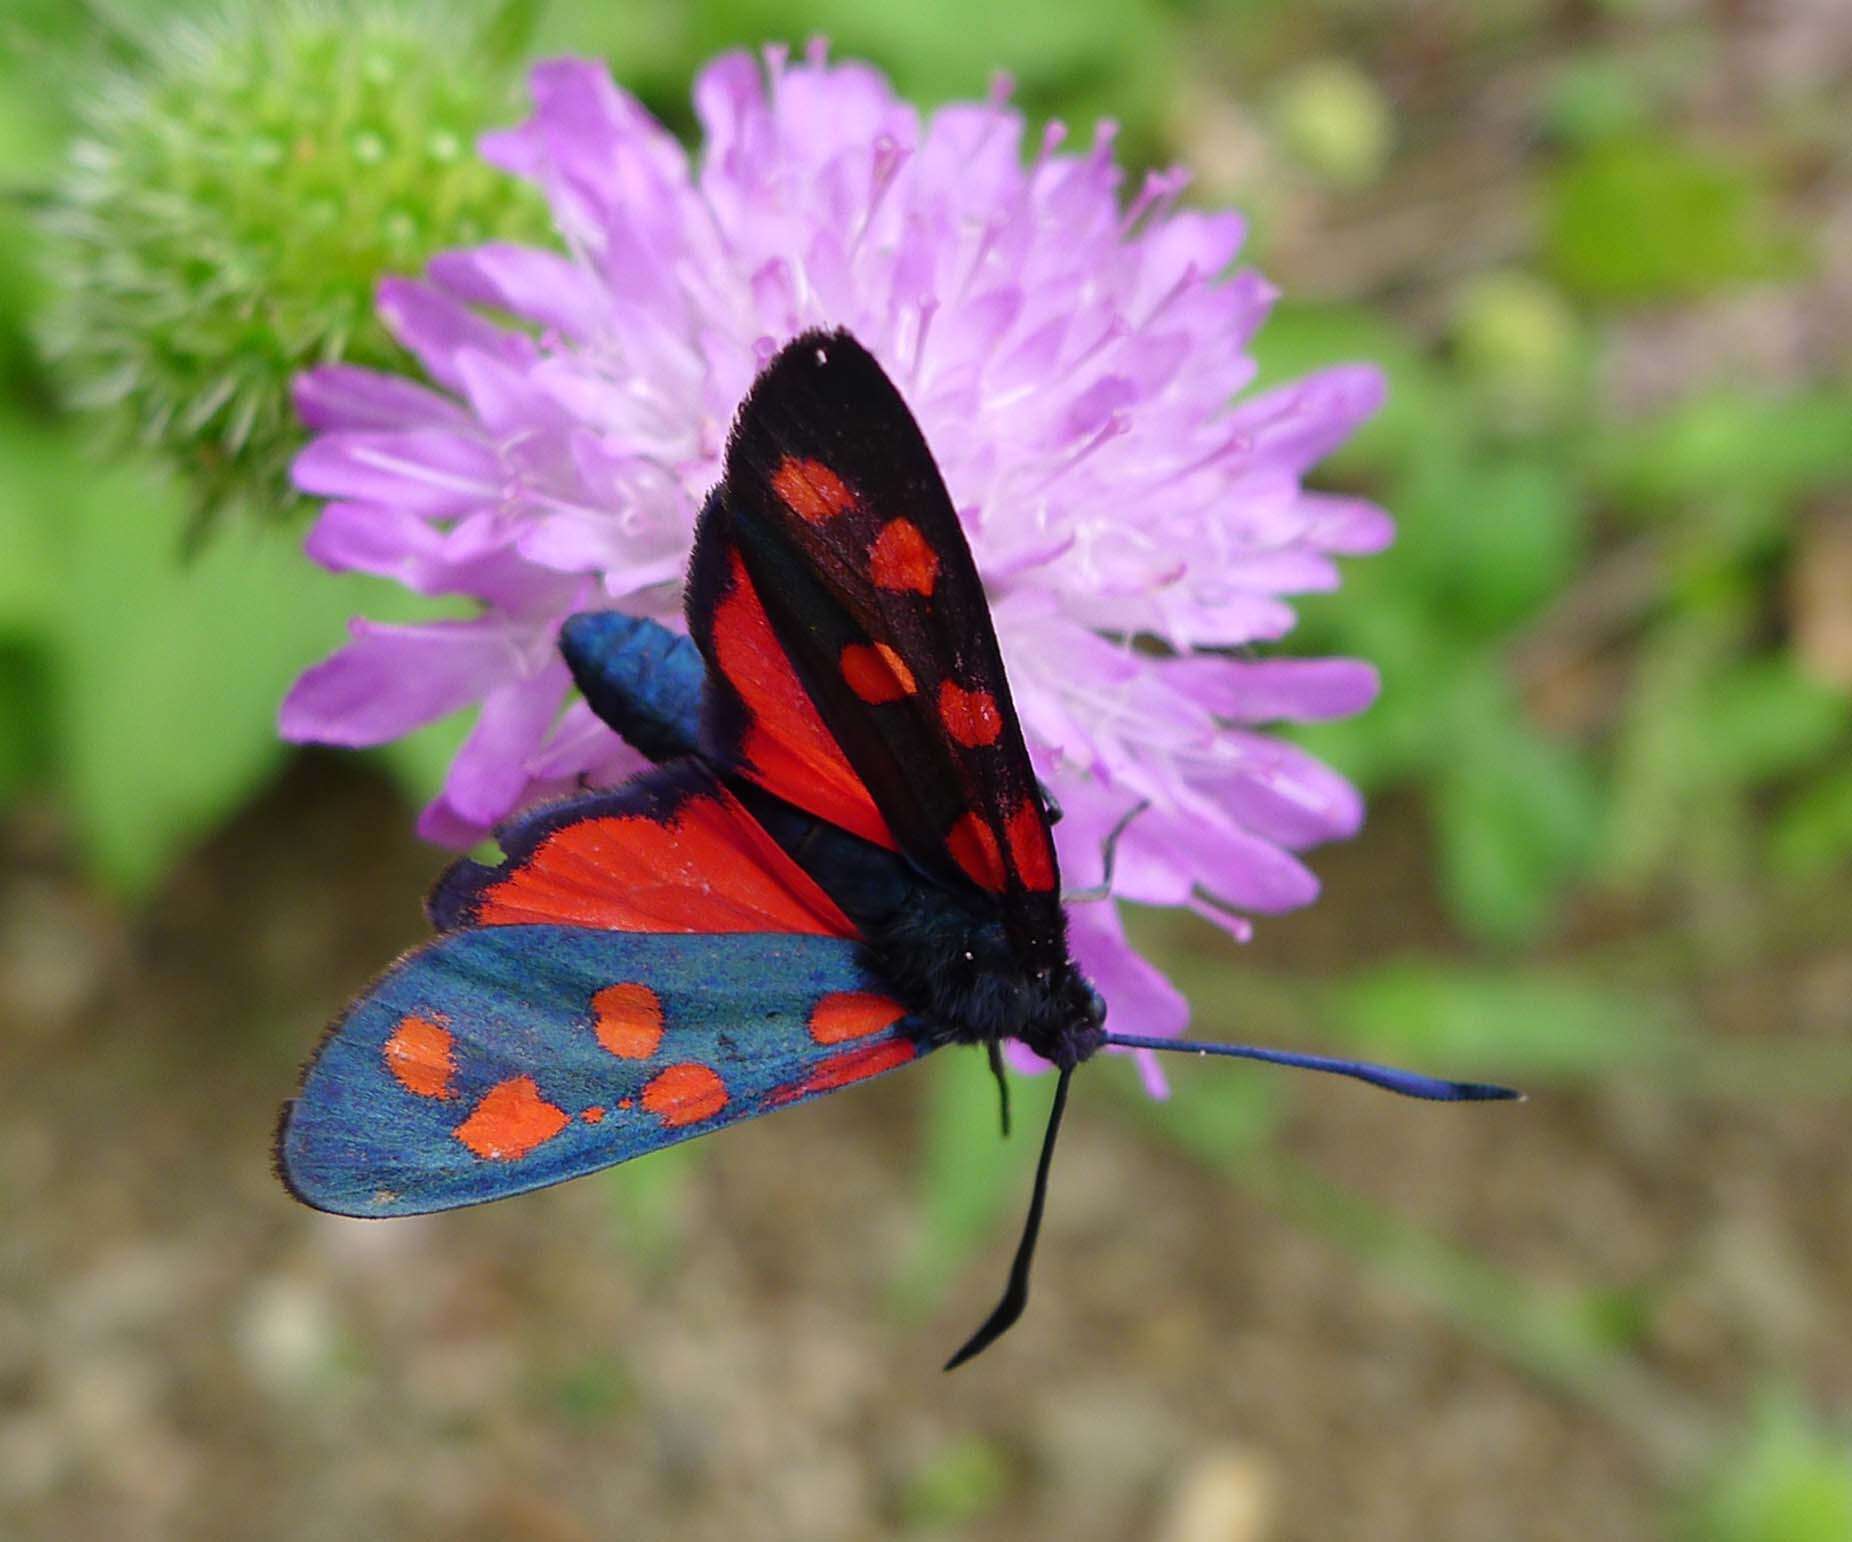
(511, 1120)
(852, 1065)
(787, 749)
(974, 848)
(1029, 849)
(876, 673)
(419, 1055)
(685, 1094)
(810, 490)
(970, 717)
(592, 1115)
(710, 867)
(844, 1015)
(628, 1020)
(900, 558)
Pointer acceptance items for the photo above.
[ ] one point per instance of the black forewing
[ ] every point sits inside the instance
(845, 526)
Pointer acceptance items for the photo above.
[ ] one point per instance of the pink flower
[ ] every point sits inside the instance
(1075, 359)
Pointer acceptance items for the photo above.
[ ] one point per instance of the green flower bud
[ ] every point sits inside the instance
(230, 203)
(1334, 121)
(1518, 340)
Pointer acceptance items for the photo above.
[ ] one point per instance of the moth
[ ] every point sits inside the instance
(840, 861)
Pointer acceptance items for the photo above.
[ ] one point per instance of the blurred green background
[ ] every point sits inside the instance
(1602, 249)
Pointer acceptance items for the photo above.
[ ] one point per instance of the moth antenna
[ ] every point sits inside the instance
(1016, 1293)
(1108, 854)
(1409, 1084)
(995, 1049)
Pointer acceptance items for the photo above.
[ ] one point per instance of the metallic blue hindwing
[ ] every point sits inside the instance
(493, 1061)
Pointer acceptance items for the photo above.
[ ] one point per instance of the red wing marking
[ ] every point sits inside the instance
(511, 1120)
(685, 1094)
(876, 673)
(970, 717)
(900, 558)
(592, 1115)
(844, 1015)
(852, 1065)
(1028, 838)
(974, 848)
(810, 490)
(786, 747)
(419, 1056)
(710, 867)
(628, 1020)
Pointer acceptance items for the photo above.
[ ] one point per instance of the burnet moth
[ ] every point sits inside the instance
(840, 861)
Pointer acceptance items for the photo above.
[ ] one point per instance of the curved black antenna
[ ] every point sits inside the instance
(995, 1049)
(1409, 1083)
(1109, 850)
(1016, 1293)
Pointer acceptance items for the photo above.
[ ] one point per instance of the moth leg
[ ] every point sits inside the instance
(1108, 853)
(1051, 805)
(995, 1050)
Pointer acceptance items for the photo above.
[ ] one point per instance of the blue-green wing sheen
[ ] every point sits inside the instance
(494, 1061)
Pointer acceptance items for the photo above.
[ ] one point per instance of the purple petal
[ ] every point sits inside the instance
(346, 396)
(541, 286)
(489, 777)
(428, 471)
(392, 679)
(1346, 525)
(437, 328)
(1273, 690)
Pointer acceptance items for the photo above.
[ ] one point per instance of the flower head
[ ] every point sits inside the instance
(233, 197)
(1076, 360)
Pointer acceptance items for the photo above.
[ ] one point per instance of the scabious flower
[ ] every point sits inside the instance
(1077, 362)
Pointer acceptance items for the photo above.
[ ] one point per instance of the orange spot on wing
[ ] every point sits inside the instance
(900, 558)
(628, 1020)
(788, 751)
(592, 1115)
(810, 490)
(711, 867)
(850, 1066)
(1029, 848)
(626, 1102)
(844, 1015)
(970, 717)
(685, 1094)
(419, 1055)
(876, 673)
(511, 1120)
(974, 848)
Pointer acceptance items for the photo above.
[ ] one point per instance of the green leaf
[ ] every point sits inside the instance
(1648, 219)
(1761, 719)
(171, 671)
(1790, 1480)
(1517, 816)
(1496, 538)
(506, 35)
(1498, 1022)
(37, 468)
(1812, 834)
(959, 1482)
(1763, 449)
(26, 735)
